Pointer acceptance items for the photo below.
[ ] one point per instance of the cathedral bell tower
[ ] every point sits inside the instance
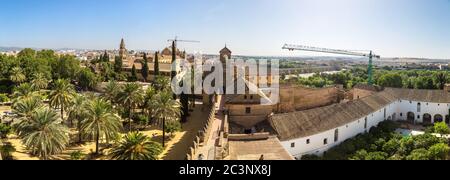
(123, 53)
(225, 55)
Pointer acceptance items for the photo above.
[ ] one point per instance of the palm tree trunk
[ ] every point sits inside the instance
(97, 138)
(129, 118)
(164, 133)
(62, 112)
(79, 132)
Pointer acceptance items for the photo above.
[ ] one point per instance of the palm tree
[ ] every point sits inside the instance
(39, 81)
(25, 107)
(166, 110)
(61, 95)
(17, 75)
(162, 83)
(78, 113)
(136, 146)
(112, 89)
(43, 133)
(23, 91)
(100, 121)
(131, 97)
(149, 101)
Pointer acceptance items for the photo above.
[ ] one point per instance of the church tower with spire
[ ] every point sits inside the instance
(123, 52)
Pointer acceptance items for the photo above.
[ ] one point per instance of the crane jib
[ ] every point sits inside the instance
(326, 50)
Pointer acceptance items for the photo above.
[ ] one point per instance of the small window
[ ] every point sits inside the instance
(336, 135)
(292, 145)
(308, 141)
(418, 117)
(245, 97)
(401, 114)
(365, 123)
(248, 110)
(325, 141)
(251, 97)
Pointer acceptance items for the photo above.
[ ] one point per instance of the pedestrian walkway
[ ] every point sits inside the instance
(208, 149)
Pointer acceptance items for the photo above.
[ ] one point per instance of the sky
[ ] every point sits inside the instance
(391, 28)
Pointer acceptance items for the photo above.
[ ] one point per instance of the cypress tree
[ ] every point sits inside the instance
(156, 67)
(105, 57)
(145, 69)
(173, 74)
(133, 76)
(184, 99)
(118, 64)
(174, 58)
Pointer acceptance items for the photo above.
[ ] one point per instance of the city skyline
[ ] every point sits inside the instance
(393, 29)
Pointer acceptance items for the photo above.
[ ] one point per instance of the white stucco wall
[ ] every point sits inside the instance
(393, 110)
(405, 106)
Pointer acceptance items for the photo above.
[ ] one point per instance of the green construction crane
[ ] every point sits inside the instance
(371, 56)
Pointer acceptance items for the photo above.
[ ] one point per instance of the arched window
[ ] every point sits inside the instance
(365, 123)
(336, 135)
(418, 107)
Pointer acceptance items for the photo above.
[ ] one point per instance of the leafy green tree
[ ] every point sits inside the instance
(76, 155)
(136, 146)
(391, 146)
(107, 71)
(87, 80)
(131, 97)
(4, 130)
(44, 134)
(167, 110)
(419, 154)
(100, 121)
(145, 68)
(4, 98)
(173, 127)
(441, 128)
(6, 151)
(391, 80)
(26, 53)
(62, 95)
(439, 151)
(65, 67)
(441, 79)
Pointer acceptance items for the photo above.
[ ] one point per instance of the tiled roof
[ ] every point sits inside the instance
(306, 123)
